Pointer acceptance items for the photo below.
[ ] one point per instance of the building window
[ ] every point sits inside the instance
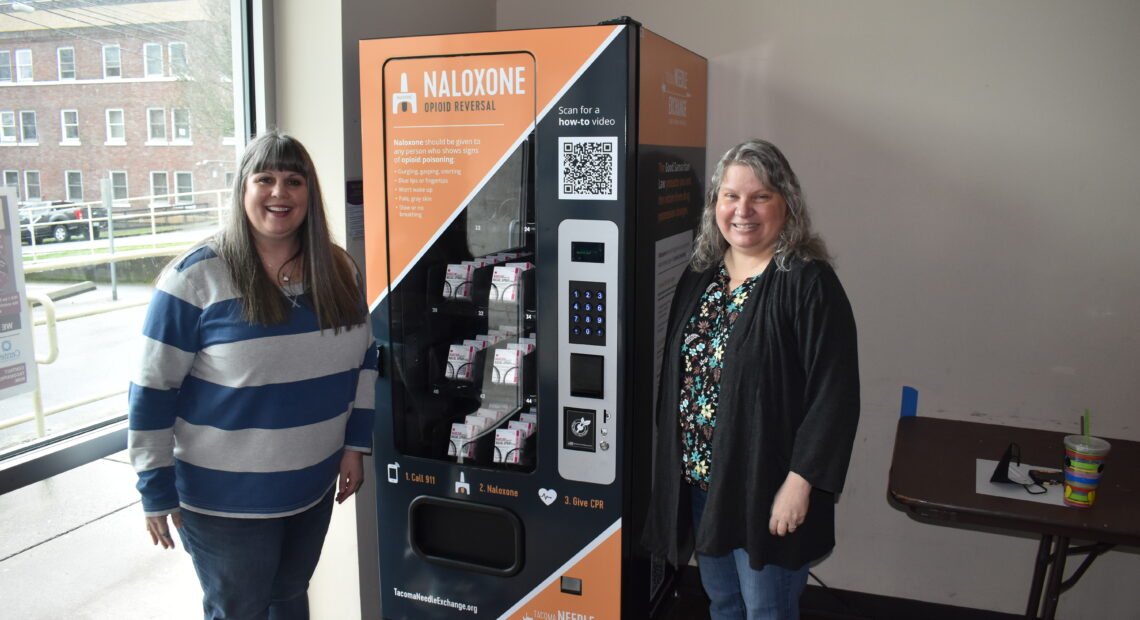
(181, 120)
(69, 125)
(156, 125)
(74, 180)
(118, 185)
(28, 133)
(160, 188)
(152, 54)
(5, 66)
(32, 184)
(184, 185)
(116, 126)
(66, 58)
(7, 126)
(23, 65)
(12, 179)
(178, 65)
(112, 62)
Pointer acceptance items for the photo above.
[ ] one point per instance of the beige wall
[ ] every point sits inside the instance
(971, 164)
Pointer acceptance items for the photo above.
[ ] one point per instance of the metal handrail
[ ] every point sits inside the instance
(38, 414)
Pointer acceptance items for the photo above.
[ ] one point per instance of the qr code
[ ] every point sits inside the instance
(587, 168)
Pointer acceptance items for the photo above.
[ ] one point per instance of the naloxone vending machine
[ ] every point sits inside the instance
(530, 200)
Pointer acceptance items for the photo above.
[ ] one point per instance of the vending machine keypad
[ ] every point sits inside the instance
(587, 313)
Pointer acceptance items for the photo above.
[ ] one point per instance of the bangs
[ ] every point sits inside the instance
(279, 153)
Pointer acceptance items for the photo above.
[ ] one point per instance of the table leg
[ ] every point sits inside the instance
(1038, 577)
(1056, 574)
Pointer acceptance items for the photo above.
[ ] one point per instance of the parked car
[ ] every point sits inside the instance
(60, 220)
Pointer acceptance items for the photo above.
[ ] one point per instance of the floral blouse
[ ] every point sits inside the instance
(702, 354)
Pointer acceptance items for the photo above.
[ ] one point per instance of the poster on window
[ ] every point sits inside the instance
(16, 355)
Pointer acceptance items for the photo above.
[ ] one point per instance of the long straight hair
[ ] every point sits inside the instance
(796, 240)
(330, 274)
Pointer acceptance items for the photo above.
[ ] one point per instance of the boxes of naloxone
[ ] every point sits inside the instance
(505, 283)
(508, 445)
(499, 410)
(481, 423)
(488, 338)
(461, 436)
(527, 428)
(460, 362)
(525, 347)
(478, 344)
(530, 417)
(509, 331)
(507, 364)
(457, 281)
(491, 415)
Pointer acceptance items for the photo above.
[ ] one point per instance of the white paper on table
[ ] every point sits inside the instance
(984, 468)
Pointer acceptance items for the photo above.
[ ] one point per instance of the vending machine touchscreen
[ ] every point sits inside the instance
(530, 198)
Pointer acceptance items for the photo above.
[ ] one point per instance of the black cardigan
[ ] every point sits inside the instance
(789, 400)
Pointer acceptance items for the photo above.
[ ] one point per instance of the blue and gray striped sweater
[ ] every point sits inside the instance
(240, 420)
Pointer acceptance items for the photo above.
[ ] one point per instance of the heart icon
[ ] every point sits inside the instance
(547, 496)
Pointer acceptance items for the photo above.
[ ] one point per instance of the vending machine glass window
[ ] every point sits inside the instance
(461, 337)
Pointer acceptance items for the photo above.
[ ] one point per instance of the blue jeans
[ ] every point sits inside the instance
(737, 591)
(256, 568)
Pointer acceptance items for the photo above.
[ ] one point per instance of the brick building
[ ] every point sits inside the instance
(137, 91)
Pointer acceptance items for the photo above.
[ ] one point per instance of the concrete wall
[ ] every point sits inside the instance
(973, 167)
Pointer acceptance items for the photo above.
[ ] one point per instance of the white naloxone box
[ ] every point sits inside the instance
(460, 362)
(508, 365)
(527, 428)
(505, 283)
(457, 281)
(508, 445)
(461, 436)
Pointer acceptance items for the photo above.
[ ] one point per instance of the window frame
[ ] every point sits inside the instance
(68, 186)
(28, 184)
(165, 188)
(64, 126)
(121, 125)
(15, 176)
(181, 66)
(60, 64)
(183, 196)
(6, 72)
(148, 70)
(174, 126)
(119, 188)
(35, 138)
(9, 131)
(20, 67)
(253, 45)
(117, 65)
(151, 138)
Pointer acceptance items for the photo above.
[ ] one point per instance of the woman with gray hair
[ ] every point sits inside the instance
(759, 395)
